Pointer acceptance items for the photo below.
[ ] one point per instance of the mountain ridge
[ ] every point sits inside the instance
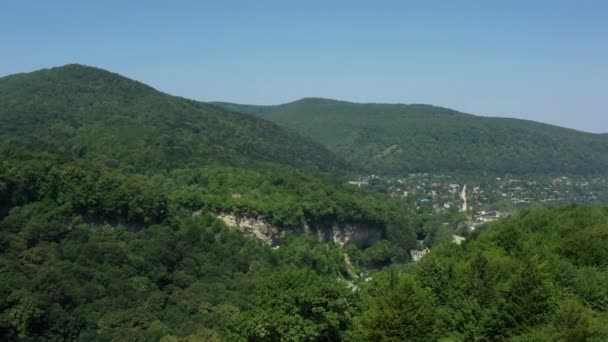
(400, 138)
(314, 99)
(68, 108)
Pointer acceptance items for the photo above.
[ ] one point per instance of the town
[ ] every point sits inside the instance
(484, 199)
(451, 207)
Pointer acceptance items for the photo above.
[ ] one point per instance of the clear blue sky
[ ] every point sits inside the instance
(540, 60)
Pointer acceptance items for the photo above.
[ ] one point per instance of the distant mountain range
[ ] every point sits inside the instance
(124, 222)
(94, 114)
(399, 138)
(91, 113)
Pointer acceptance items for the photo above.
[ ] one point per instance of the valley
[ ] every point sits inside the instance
(130, 214)
(303, 171)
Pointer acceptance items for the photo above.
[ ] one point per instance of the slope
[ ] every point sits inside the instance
(535, 276)
(397, 138)
(98, 115)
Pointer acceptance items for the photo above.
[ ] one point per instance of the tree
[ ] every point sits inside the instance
(23, 314)
(296, 305)
(573, 321)
(400, 310)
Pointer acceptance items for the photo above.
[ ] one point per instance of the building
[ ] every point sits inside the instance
(358, 183)
(487, 216)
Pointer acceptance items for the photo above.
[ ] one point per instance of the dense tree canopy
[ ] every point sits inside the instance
(537, 276)
(68, 274)
(397, 138)
(94, 114)
(109, 199)
(92, 254)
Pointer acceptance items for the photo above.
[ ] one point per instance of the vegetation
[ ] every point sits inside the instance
(109, 195)
(89, 262)
(537, 276)
(91, 113)
(93, 254)
(396, 139)
(281, 196)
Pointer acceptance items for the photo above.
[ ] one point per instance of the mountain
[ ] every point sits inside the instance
(204, 158)
(114, 229)
(98, 115)
(399, 138)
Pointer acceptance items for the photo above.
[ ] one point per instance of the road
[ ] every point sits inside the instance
(463, 197)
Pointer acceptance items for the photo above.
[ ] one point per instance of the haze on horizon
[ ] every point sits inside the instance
(545, 61)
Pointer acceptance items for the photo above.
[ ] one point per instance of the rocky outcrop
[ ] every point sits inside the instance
(254, 227)
(417, 255)
(360, 234)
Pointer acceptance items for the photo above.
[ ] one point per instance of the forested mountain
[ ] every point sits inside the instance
(137, 178)
(398, 138)
(204, 157)
(110, 194)
(101, 116)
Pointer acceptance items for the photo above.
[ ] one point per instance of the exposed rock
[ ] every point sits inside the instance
(360, 234)
(458, 239)
(417, 255)
(255, 227)
(349, 284)
(349, 267)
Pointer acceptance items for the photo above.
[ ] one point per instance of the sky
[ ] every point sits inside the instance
(540, 60)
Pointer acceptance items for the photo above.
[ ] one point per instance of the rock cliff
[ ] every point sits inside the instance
(362, 235)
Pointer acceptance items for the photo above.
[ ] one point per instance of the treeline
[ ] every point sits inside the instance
(281, 195)
(289, 198)
(98, 194)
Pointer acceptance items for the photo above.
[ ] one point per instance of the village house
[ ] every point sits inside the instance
(487, 216)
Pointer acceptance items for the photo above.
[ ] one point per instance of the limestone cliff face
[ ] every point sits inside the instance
(254, 227)
(362, 235)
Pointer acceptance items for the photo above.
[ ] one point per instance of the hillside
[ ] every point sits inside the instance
(398, 138)
(112, 205)
(92, 253)
(538, 276)
(91, 113)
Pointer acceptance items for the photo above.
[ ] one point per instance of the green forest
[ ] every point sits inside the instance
(96, 255)
(110, 193)
(397, 139)
(100, 116)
